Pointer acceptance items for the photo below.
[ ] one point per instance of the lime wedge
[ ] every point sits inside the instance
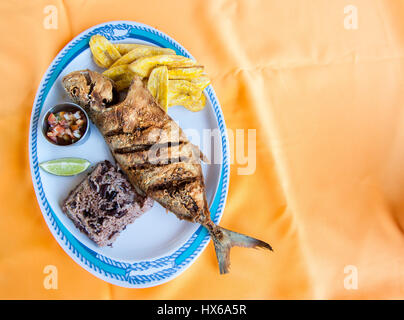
(65, 166)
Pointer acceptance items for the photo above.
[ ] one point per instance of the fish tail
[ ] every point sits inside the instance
(224, 240)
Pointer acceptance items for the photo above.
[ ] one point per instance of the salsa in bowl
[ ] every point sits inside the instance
(65, 124)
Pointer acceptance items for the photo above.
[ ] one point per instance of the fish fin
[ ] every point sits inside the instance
(200, 154)
(224, 240)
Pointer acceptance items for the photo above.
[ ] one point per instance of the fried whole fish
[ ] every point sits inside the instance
(154, 152)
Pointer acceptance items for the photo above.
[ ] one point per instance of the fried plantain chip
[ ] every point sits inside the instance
(143, 66)
(198, 105)
(115, 72)
(185, 87)
(142, 51)
(98, 63)
(124, 48)
(188, 73)
(201, 82)
(178, 99)
(192, 103)
(121, 75)
(153, 82)
(158, 86)
(104, 52)
(124, 81)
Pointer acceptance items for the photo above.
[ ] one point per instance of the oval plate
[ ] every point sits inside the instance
(157, 247)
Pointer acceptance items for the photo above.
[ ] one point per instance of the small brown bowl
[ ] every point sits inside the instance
(68, 107)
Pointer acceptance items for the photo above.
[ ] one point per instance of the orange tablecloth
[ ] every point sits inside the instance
(327, 102)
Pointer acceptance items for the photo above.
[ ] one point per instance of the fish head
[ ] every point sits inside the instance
(89, 89)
